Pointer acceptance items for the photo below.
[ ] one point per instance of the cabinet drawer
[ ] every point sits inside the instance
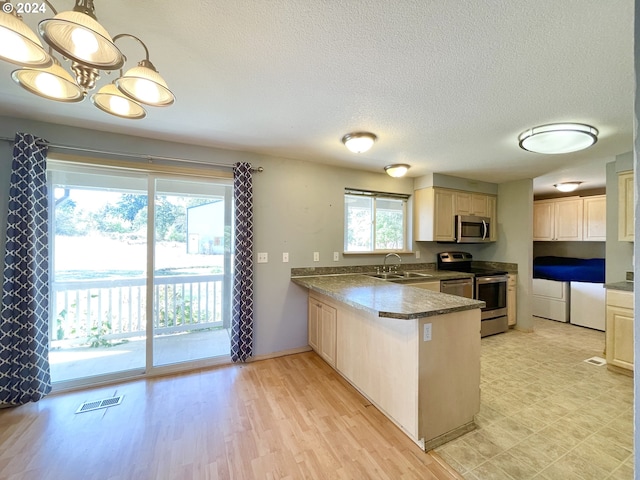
(617, 298)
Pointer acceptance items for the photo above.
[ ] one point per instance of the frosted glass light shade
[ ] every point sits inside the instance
(397, 170)
(53, 82)
(79, 37)
(110, 100)
(146, 86)
(567, 186)
(20, 45)
(359, 142)
(558, 138)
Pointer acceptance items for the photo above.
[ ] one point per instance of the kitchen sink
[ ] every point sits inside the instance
(398, 275)
(385, 276)
(414, 275)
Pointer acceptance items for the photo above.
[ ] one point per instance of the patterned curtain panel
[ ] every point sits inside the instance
(242, 306)
(24, 318)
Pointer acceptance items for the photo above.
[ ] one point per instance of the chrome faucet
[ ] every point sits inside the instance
(384, 264)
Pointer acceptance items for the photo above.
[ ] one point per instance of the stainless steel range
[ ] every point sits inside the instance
(489, 285)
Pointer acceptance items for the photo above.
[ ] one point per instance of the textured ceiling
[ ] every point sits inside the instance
(447, 86)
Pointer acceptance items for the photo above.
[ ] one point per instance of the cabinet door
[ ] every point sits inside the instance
(543, 220)
(595, 218)
(479, 205)
(328, 330)
(463, 203)
(512, 287)
(626, 223)
(492, 213)
(568, 220)
(315, 309)
(444, 216)
(619, 335)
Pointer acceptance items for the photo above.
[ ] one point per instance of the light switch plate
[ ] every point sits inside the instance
(316, 256)
(417, 253)
(263, 257)
(285, 257)
(336, 256)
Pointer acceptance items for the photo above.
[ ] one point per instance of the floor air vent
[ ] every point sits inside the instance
(596, 361)
(98, 404)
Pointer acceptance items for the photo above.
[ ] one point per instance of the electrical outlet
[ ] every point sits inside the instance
(417, 253)
(316, 256)
(336, 256)
(427, 332)
(263, 257)
(285, 257)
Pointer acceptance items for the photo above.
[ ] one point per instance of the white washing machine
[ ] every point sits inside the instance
(588, 305)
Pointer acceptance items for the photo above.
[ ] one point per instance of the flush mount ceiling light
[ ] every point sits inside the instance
(567, 186)
(558, 138)
(359, 142)
(397, 170)
(78, 37)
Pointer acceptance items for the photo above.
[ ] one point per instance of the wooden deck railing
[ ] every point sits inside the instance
(108, 309)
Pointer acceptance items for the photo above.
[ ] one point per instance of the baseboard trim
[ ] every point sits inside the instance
(281, 353)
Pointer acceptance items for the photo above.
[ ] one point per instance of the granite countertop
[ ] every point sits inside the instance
(626, 286)
(387, 299)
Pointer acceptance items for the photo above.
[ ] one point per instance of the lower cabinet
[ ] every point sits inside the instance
(322, 329)
(619, 331)
(422, 373)
(512, 288)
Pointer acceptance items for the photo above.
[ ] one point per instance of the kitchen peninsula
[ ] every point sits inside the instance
(414, 353)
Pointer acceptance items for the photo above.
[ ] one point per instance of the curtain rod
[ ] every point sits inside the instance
(150, 158)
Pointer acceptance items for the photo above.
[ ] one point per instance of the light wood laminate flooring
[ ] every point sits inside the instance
(286, 418)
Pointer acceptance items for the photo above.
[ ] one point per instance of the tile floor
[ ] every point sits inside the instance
(545, 413)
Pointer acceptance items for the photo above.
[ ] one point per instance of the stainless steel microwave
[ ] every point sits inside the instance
(472, 229)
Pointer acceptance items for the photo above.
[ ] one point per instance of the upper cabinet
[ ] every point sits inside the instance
(625, 207)
(570, 219)
(595, 218)
(435, 209)
(471, 204)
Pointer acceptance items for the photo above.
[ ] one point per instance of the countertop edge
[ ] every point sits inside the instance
(464, 305)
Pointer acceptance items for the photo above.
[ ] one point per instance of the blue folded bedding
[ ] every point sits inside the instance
(567, 269)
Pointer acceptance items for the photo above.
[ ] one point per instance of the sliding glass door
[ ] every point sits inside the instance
(191, 279)
(134, 253)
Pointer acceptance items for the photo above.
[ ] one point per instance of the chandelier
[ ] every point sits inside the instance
(78, 37)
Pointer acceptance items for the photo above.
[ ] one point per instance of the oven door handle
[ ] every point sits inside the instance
(496, 279)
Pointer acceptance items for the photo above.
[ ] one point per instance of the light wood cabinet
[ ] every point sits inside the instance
(594, 227)
(322, 324)
(619, 331)
(434, 215)
(512, 288)
(626, 223)
(570, 219)
(435, 210)
(543, 220)
(468, 203)
(492, 209)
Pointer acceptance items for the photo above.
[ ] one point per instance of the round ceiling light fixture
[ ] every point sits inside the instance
(397, 170)
(558, 138)
(359, 142)
(567, 186)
